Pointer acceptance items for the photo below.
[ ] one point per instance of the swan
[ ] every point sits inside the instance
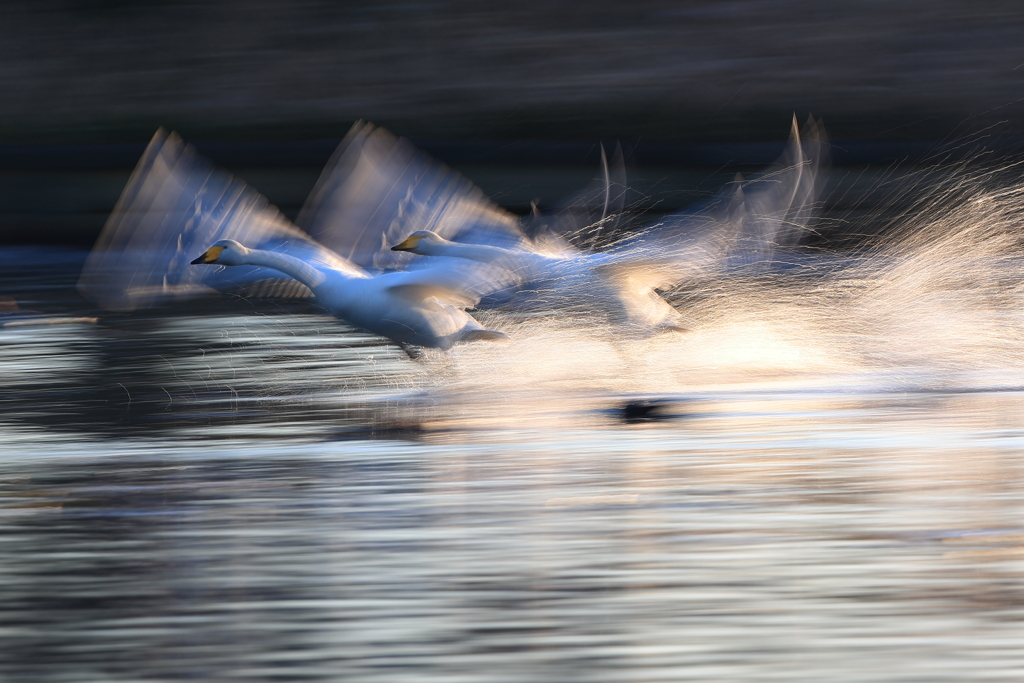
(738, 227)
(415, 308)
(379, 190)
(177, 203)
(618, 285)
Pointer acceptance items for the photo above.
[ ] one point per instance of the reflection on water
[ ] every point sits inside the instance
(228, 489)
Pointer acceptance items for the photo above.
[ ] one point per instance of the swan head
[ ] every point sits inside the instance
(223, 253)
(423, 242)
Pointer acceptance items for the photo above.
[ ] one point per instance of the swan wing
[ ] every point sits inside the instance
(175, 205)
(378, 188)
(634, 286)
(778, 204)
(453, 281)
(416, 294)
(650, 274)
(679, 246)
(743, 223)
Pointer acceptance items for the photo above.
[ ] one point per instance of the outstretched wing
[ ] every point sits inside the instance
(175, 205)
(377, 189)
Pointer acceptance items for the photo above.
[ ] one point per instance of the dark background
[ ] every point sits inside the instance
(514, 94)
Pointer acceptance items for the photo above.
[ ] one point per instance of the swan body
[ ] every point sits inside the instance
(614, 284)
(418, 308)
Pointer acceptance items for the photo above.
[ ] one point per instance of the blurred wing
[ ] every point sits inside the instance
(454, 281)
(377, 189)
(175, 205)
(743, 223)
(684, 244)
(778, 204)
(589, 218)
(634, 286)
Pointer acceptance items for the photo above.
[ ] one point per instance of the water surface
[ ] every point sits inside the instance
(803, 487)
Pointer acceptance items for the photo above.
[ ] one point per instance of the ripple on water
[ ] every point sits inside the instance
(210, 492)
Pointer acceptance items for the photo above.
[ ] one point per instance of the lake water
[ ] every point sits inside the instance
(821, 480)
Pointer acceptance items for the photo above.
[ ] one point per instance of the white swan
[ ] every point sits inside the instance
(742, 225)
(618, 285)
(378, 189)
(419, 308)
(177, 203)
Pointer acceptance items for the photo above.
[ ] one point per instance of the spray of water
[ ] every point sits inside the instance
(932, 301)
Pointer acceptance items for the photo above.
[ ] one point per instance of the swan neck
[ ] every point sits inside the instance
(289, 265)
(474, 252)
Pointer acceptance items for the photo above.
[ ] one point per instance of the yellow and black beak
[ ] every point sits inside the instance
(209, 256)
(410, 243)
